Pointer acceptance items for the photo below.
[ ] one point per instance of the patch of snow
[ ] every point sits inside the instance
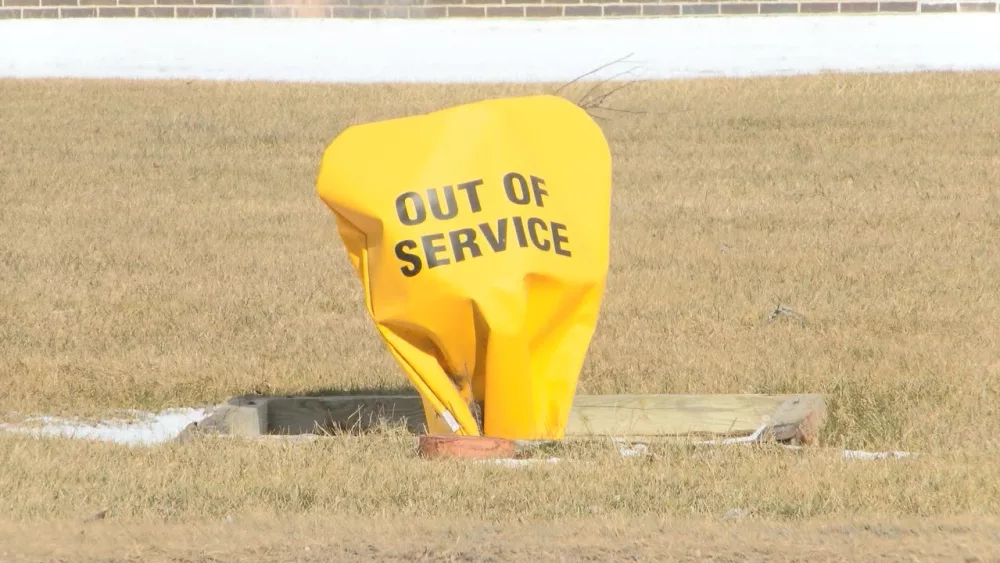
(630, 449)
(740, 440)
(511, 462)
(516, 50)
(847, 454)
(858, 454)
(150, 428)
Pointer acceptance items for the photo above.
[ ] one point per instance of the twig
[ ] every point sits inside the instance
(619, 110)
(593, 99)
(598, 69)
(781, 310)
(597, 100)
(465, 380)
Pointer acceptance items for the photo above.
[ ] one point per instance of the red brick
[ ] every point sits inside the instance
(699, 9)
(73, 12)
(194, 12)
(505, 12)
(77, 12)
(544, 11)
(40, 13)
(422, 12)
(740, 8)
(466, 12)
(858, 7)
(115, 12)
(781, 8)
(390, 12)
(303, 12)
(977, 7)
(234, 12)
(613, 10)
(661, 10)
(10, 13)
(818, 7)
(155, 12)
(897, 7)
(352, 12)
(575, 11)
(939, 8)
(273, 12)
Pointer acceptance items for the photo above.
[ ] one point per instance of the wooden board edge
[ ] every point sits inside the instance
(238, 416)
(797, 420)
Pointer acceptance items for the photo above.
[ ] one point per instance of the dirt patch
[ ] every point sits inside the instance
(434, 538)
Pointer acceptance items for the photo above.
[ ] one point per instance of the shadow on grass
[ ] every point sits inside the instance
(332, 392)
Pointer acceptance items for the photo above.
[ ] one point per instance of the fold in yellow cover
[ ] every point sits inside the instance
(480, 234)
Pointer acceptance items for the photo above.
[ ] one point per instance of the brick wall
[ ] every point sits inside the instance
(16, 9)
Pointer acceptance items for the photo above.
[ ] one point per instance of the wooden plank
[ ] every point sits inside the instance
(671, 415)
(244, 416)
(794, 418)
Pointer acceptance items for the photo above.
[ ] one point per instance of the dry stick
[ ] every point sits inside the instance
(591, 101)
(464, 378)
(598, 102)
(781, 310)
(599, 99)
(620, 110)
(598, 69)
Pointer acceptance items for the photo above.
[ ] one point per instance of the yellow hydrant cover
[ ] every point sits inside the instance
(480, 234)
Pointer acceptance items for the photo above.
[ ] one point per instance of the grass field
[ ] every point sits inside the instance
(162, 245)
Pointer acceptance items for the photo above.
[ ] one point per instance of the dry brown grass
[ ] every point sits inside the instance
(161, 245)
(264, 539)
(374, 477)
(371, 498)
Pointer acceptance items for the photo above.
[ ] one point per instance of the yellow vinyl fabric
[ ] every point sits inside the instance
(480, 234)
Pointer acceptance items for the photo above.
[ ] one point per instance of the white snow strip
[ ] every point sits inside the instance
(641, 449)
(847, 454)
(858, 454)
(630, 449)
(149, 429)
(521, 50)
(511, 462)
(741, 440)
